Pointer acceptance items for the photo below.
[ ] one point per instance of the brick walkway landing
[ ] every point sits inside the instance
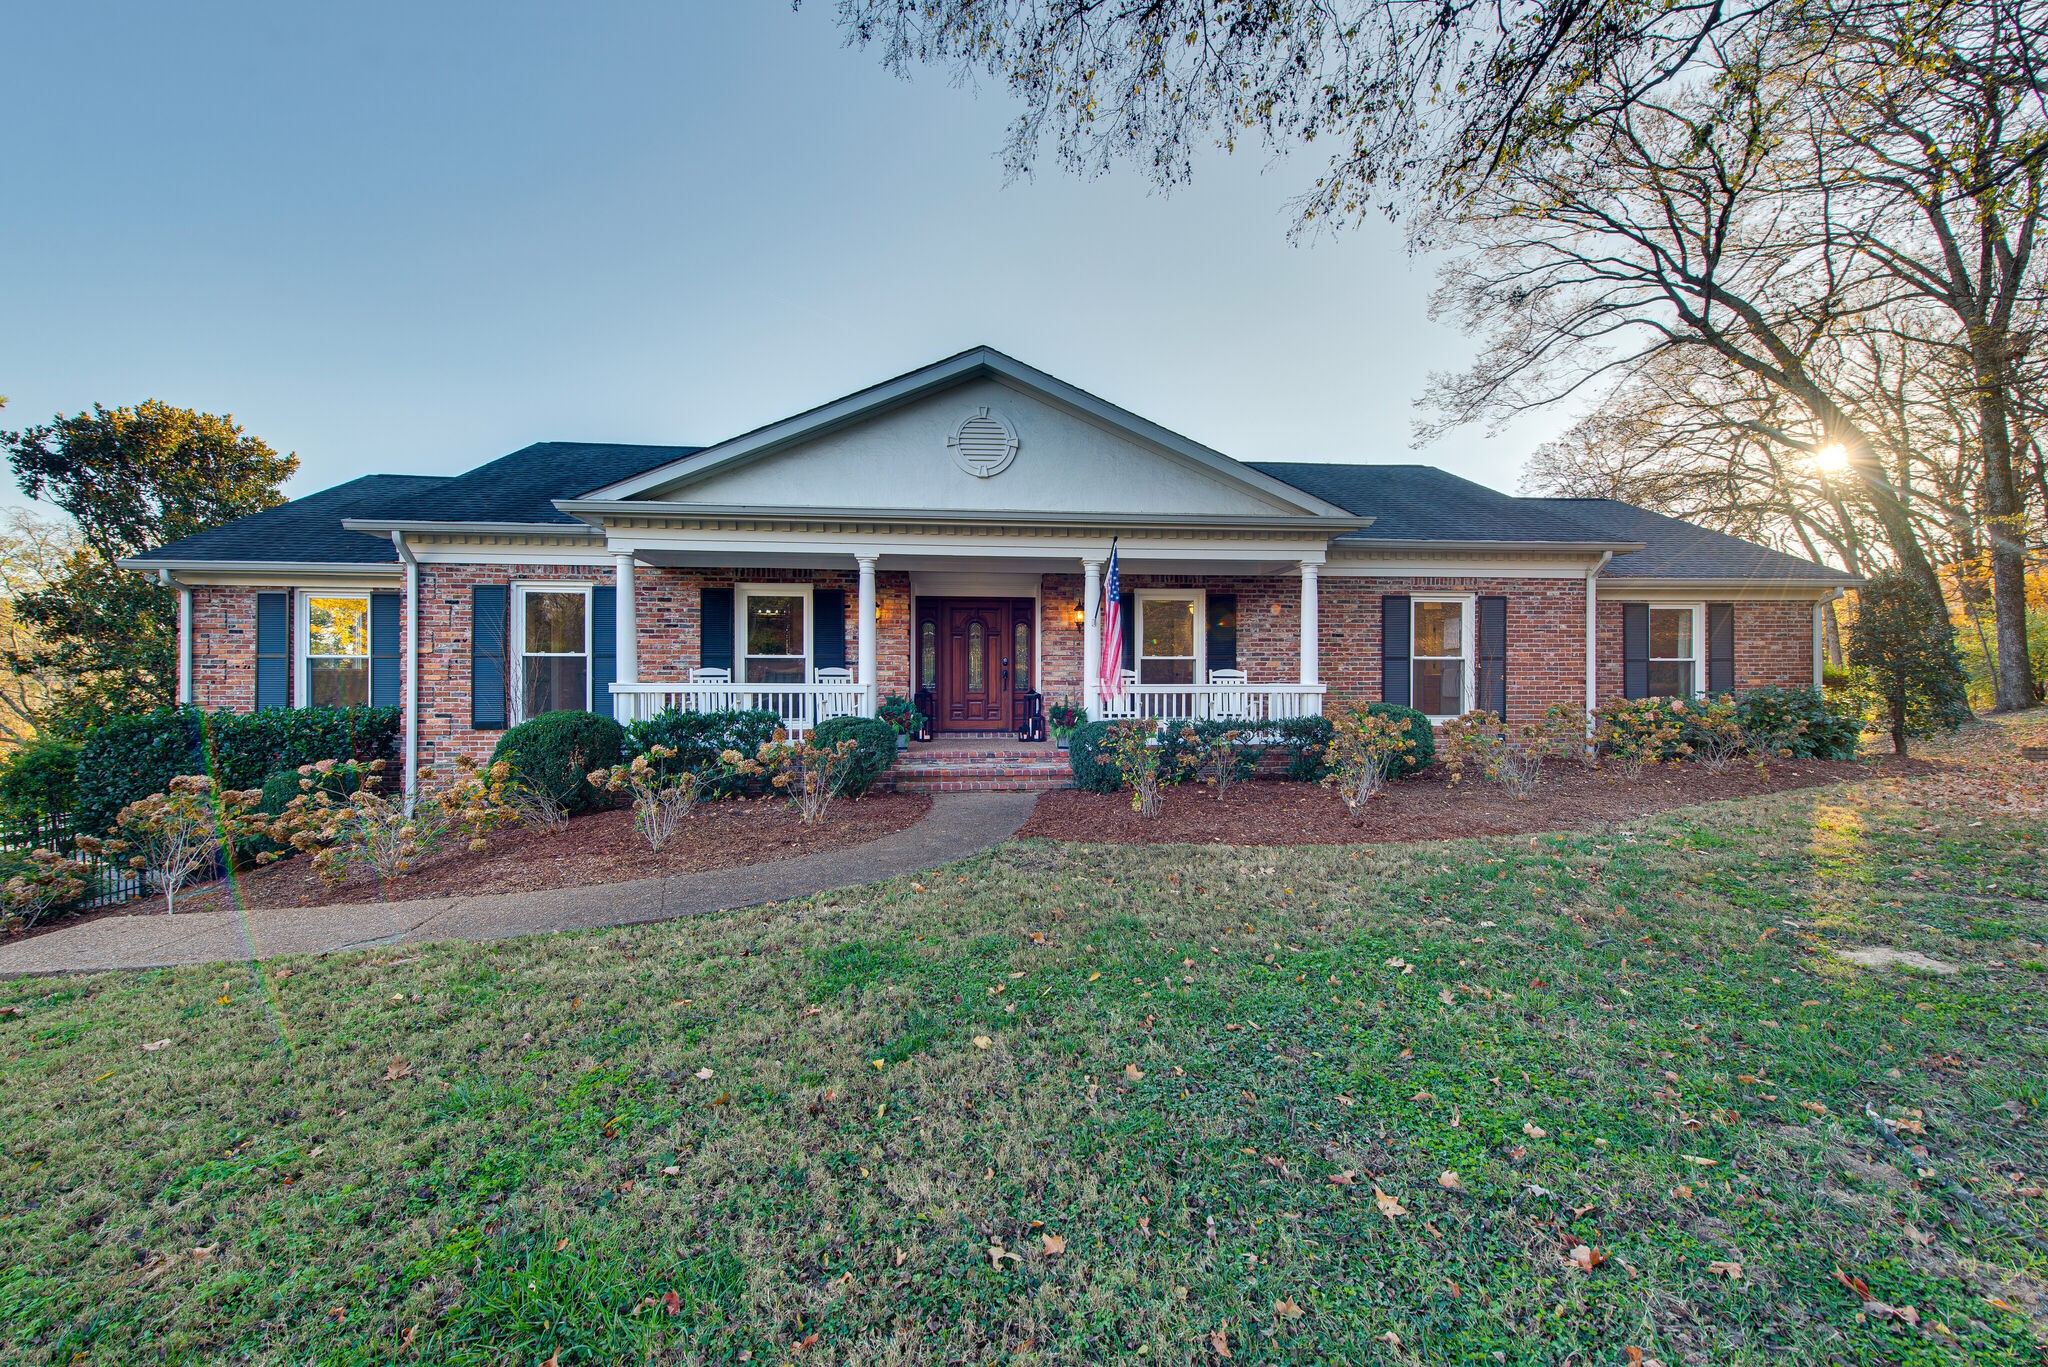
(956, 764)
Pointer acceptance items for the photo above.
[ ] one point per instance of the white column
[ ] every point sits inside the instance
(865, 635)
(626, 621)
(1819, 655)
(1091, 636)
(1593, 635)
(185, 644)
(1311, 627)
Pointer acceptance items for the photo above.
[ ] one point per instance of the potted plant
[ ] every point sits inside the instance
(903, 717)
(1065, 719)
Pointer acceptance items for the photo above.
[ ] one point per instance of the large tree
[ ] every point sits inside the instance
(130, 479)
(1930, 145)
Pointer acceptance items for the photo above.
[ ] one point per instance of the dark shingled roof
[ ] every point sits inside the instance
(523, 486)
(1423, 503)
(307, 529)
(1676, 549)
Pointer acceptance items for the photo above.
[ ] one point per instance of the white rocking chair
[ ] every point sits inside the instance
(1230, 695)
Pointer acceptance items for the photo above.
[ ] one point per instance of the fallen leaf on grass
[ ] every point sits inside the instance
(1636, 1358)
(703, 1075)
(1389, 1207)
(996, 1254)
(1219, 1343)
(1856, 1285)
(1448, 1180)
(1533, 1130)
(1288, 1310)
(1132, 1072)
(1732, 1271)
(1346, 1178)
(1052, 1245)
(1585, 1257)
(671, 1302)
(983, 1042)
(1391, 1339)
(151, 1046)
(398, 1068)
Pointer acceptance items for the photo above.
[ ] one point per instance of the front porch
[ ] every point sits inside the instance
(981, 644)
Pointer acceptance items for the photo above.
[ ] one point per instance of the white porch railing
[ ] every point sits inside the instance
(801, 706)
(1255, 702)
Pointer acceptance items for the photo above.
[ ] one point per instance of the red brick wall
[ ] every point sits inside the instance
(224, 646)
(446, 610)
(1546, 660)
(1773, 645)
(1546, 642)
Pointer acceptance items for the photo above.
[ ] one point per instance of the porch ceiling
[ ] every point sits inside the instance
(1135, 560)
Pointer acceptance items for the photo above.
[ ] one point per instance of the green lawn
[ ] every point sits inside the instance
(776, 1134)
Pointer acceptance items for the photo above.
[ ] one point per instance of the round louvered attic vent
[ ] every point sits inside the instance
(984, 444)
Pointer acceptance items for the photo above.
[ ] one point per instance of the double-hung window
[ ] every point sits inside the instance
(775, 634)
(553, 631)
(1440, 656)
(1170, 641)
(1676, 635)
(337, 635)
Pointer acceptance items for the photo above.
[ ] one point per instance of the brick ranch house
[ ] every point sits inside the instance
(944, 535)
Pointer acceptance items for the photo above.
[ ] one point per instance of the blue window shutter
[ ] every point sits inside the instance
(490, 630)
(1720, 647)
(273, 650)
(1635, 650)
(385, 662)
(828, 628)
(604, 647)
(1221, 632)
(714, 629)
(1492, 610)
(1129, 619)
(1394, 619)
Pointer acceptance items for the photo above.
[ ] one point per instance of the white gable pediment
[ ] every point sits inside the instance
(980, 434)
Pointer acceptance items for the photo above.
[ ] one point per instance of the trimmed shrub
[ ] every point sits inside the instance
(1088, 754)
(1832, 730)
(556, 751)
(127, 758)
(39, 782)
(1307, 743)
(698, 739)
(874, 749)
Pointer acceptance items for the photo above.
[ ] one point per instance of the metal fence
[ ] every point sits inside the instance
(111, 882)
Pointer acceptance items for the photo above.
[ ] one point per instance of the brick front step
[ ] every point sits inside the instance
(982, 771)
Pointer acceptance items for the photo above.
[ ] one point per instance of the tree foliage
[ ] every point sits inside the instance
(131, 479)
(1904, 641)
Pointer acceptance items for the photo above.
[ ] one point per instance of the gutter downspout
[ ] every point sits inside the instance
(410, 722)
(1593, 637)
(163, 577)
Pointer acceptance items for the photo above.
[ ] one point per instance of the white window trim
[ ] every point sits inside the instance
(1136, 627)
(741, 593)
(302, 635)
(518, 651)
(1699, 643)
(1468, 638)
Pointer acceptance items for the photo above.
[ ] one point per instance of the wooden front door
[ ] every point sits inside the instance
(984, 660)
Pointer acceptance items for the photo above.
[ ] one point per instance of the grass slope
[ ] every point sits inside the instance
(775, 1135)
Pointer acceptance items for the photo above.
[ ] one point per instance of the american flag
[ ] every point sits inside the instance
(1112, 632)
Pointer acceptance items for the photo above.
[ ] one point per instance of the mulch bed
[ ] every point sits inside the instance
(1425, 807)
(601, 847)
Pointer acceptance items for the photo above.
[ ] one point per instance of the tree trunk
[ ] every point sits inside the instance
(2005, 528)
(1899, 730)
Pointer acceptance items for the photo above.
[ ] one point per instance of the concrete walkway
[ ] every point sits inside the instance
(958, 825)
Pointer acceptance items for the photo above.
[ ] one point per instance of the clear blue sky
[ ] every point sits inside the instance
(413, 237)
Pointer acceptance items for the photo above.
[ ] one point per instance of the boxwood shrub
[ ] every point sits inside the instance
(699, 738)
(129, 757)
(1086, 755)
(874, 748)
(556, 752)
(1421, 736)
(1307, 743)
